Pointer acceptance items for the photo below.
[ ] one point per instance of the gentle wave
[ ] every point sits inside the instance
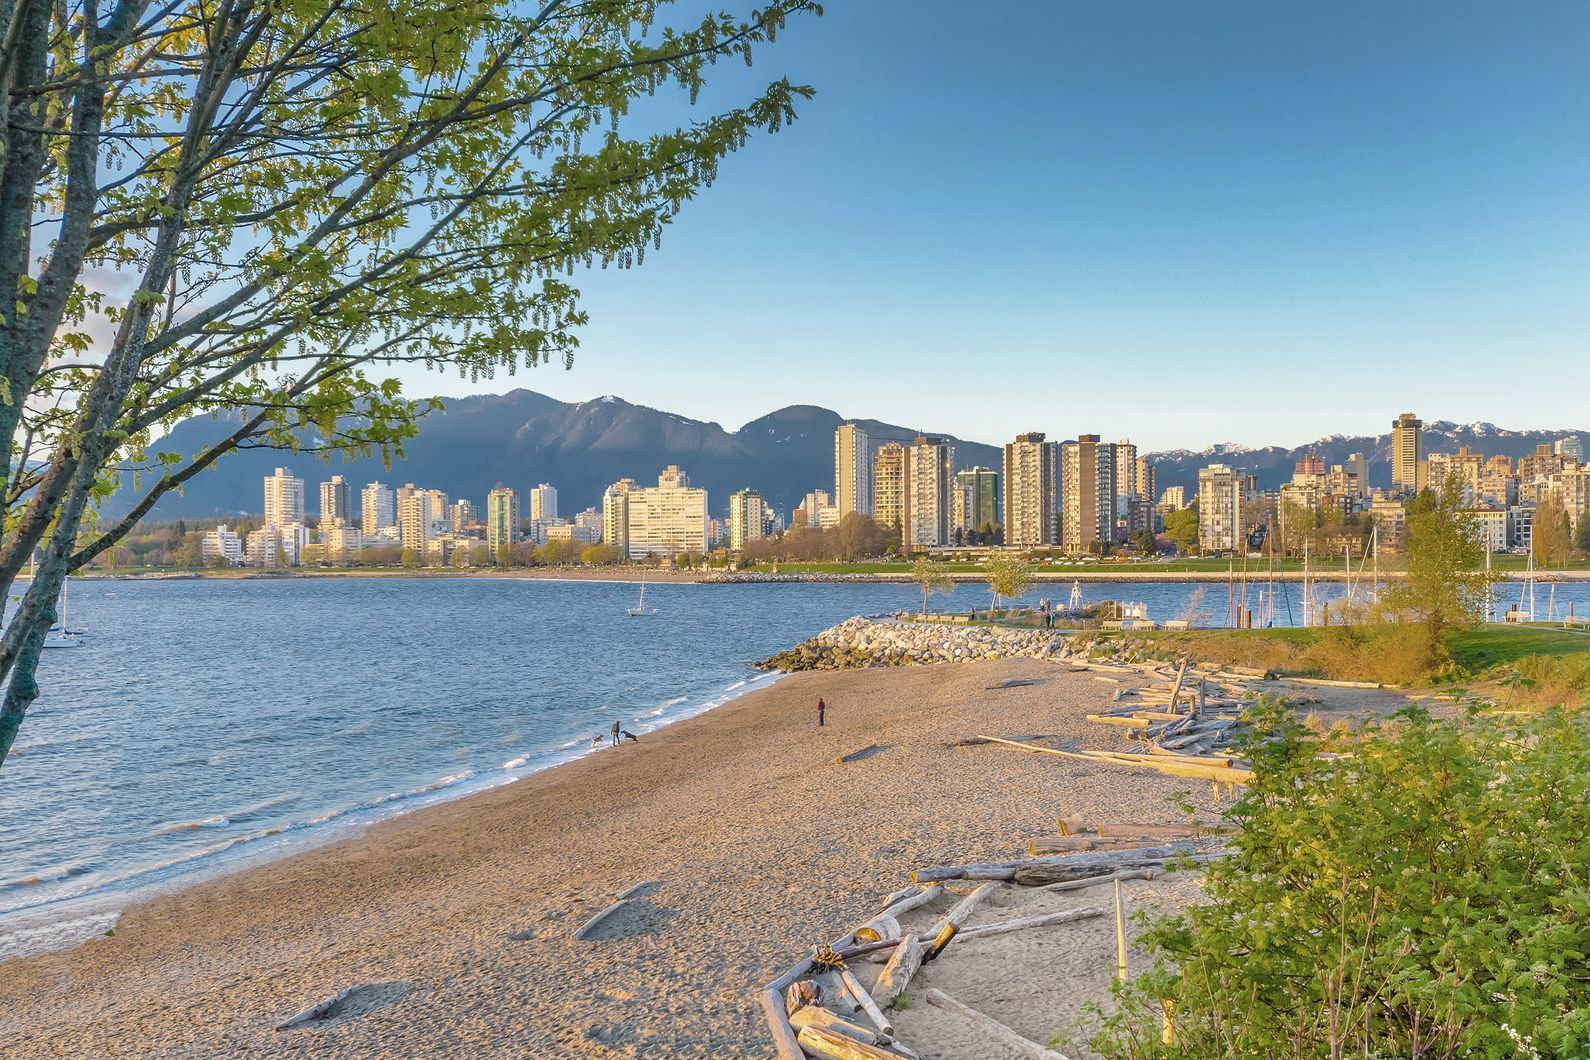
(515, 763)
(188, 826)
(62, 872)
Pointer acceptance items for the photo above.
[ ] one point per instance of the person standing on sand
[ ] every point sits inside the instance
(615, 731)
(821, 709)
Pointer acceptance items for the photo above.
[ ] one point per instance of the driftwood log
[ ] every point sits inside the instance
(896, 975)
(881, 928)
(1005, 927)
(864, 1001)
(584, 930)
(1097, 881)
(954, 919)
(1042, 871)
(817, 1016)
(832, 1045)
(1072, 844)
(1009, 1042)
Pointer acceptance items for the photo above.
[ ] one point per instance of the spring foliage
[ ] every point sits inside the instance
(1416, 889)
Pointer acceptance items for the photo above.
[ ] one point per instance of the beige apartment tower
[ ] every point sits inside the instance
(1087, 494)
(284, 499)
(502, 521)
(888, 485)
(1407, 454)
(747, 517)
(929, 493)
(852, 470)
(1032, 486)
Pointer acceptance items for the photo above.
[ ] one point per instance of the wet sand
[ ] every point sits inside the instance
(759, 842)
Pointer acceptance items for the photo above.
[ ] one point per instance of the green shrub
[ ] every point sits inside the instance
(1415, 889)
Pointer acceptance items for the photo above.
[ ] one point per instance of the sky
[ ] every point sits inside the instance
(1181, 222)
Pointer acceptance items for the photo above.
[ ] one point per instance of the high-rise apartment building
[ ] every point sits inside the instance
(336, 501)
(1174, 498)
(1358, 465)
(747, 517)
(1087, 494)
(461, 516)
(1147, 480)
(1407, 454)
(502, 521)
(888, 485)
(818, 511)
(985, 503)
(668, 519)
(284, 499)
(1222, 503)
(415, 517)
(1126, 486)
(852, 470)
(615, 514)
(1032, 492)
(543, 503)
(376, 508)
(1569, 448)
(929, 501)
(439, 506)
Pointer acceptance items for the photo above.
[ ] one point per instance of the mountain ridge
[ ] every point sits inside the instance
(522, 438)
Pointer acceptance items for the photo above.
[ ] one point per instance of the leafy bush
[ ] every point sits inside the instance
(1416, 889)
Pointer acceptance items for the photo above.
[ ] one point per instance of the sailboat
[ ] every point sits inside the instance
(640, 610)
(62, 635)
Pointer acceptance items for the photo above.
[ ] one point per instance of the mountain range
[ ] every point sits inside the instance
(522, 438)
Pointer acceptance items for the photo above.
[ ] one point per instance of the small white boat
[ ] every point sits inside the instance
(640, 610)
(62, 635)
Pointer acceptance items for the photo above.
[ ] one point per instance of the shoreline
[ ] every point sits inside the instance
(51, 922)
(741, 814)
(621, 575)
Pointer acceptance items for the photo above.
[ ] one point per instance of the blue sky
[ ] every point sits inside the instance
(1184, 222)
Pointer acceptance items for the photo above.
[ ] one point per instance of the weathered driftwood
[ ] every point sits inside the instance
(785, 1041)
(1005, 927)
(899, 896)
(832, 1045)
(585, 929)
(817, 1016)
(801, 993)
(955, 919)
(1098, 881)
(1070, 844)
(1181, 675)
(896, 975)
(881, 928)
(864, 1001)
(1040, 872)
(640, 889)
(1009, 1042)
(982, 870)
(899, 908)
(1156, 831)
(1170, 764)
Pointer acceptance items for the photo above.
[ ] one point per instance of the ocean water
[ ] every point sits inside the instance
(206, 722)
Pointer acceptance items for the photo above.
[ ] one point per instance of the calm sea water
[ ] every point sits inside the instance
(203, 722)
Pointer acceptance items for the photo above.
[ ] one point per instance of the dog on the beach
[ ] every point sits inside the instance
(631, 736)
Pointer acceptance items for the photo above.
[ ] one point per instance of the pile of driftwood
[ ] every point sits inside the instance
(820, 1008)
(1185, 726)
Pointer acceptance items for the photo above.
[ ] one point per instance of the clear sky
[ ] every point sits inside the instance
(1185, 222)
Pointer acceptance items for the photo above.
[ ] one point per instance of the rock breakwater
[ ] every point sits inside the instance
(861, 642)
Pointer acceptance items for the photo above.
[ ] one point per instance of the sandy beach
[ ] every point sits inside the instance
(758, 840)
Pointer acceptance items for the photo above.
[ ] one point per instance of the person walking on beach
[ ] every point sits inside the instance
(821, 709)
(615, 731)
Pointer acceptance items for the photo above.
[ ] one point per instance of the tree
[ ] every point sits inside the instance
(187, 553)
(1550, 539)
(277, 202)
(933, 577)
(1582, 538)
(1181, 526)
(600, 555)
(1446, 584)
(1007, 576)
(460, 557)
(310, 555)
(411, 557)
(479, 556)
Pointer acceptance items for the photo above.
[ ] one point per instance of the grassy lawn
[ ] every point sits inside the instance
(1548, 664)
